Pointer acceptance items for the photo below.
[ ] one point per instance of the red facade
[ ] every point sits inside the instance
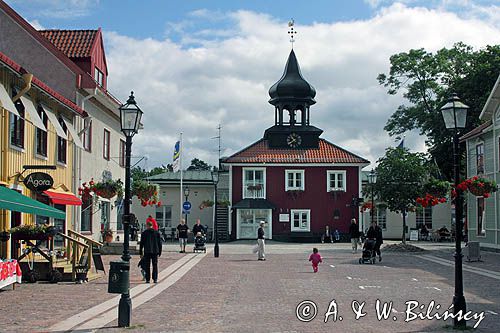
(315, 197)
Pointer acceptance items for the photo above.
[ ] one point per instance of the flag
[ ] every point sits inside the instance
(177, 155)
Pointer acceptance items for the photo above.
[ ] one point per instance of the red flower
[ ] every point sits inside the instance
(486, 195)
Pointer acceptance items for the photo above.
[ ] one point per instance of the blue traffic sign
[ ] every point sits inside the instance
(186, 205)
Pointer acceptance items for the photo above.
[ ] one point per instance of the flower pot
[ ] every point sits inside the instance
(477, 191)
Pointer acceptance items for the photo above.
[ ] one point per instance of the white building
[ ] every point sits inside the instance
(100, 154)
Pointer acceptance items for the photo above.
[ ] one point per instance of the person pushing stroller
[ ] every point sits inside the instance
(375, 234)
(199, 237)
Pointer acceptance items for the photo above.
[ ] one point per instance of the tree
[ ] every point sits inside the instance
(139, 173)
(197, 164)
(426, 80)
(400, 179)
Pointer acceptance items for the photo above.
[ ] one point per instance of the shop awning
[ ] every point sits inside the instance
(74, 135)
(53, 119)
(6, 101)
(30, 108)
(254, 204)
(61, 198)
(15, 201)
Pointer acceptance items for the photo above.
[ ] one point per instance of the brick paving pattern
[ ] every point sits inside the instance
(237, 293)
(35, 307)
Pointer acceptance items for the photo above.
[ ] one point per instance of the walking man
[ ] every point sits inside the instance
(150, 250)
(354, 233)
(182, 233)
(260, 241)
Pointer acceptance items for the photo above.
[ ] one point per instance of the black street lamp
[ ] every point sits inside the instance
(186, 198)
(215, 179)
(130, 120)
(372, 179)
(454, 115)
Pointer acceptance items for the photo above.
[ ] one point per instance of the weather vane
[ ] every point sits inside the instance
(291, 31)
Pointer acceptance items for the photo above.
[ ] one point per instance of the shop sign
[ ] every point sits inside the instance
(38, 181)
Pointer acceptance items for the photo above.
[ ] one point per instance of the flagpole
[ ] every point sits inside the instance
(181, 148)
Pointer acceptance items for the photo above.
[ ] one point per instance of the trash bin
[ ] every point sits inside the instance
(473, 251)
(119, 274)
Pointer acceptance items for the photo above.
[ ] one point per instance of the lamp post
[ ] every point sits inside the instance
(215, 179)
(455, 114)
(186, 198)
(130, 120)
(372, 179)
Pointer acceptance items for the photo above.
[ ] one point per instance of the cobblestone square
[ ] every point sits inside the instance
(237, 293)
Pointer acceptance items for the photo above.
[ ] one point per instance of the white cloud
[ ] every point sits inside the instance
(191, 89)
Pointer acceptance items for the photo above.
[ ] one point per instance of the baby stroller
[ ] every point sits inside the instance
(199, 243)
(369, 254)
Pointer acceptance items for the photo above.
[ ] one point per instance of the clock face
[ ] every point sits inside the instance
(294, 140)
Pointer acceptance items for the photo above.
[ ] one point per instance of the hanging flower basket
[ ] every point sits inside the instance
(478, 186)
(108, 189)
(105, 189)
(223, 203)
(206, 204)
(147, 193)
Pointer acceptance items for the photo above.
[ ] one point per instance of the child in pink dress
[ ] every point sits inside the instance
(315, 258)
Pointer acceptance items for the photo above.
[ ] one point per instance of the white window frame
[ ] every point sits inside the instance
(480, 144)
(292, 227)
(330, 173)
(243, 189)
(295, 172)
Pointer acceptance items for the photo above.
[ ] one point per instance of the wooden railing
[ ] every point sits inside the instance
(88, 241)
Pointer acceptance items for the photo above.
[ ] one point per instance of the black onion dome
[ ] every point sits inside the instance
(292, 87)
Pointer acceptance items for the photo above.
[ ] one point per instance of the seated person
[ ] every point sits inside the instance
(424, 232)
(327, 235)
(198, 228)
(443, 233)
(337, 235)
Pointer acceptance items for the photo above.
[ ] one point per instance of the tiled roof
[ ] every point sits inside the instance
(74, 43)
(259, 152)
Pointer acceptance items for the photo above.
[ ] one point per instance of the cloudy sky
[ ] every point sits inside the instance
(196, 64)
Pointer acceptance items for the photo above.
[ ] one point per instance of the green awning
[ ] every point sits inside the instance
(12, 200)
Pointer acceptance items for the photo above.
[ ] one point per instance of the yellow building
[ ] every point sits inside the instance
(36, 135)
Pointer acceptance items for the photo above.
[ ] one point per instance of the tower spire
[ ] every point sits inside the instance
(291, 31)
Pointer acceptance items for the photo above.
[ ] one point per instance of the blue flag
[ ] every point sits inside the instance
(177, 155)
